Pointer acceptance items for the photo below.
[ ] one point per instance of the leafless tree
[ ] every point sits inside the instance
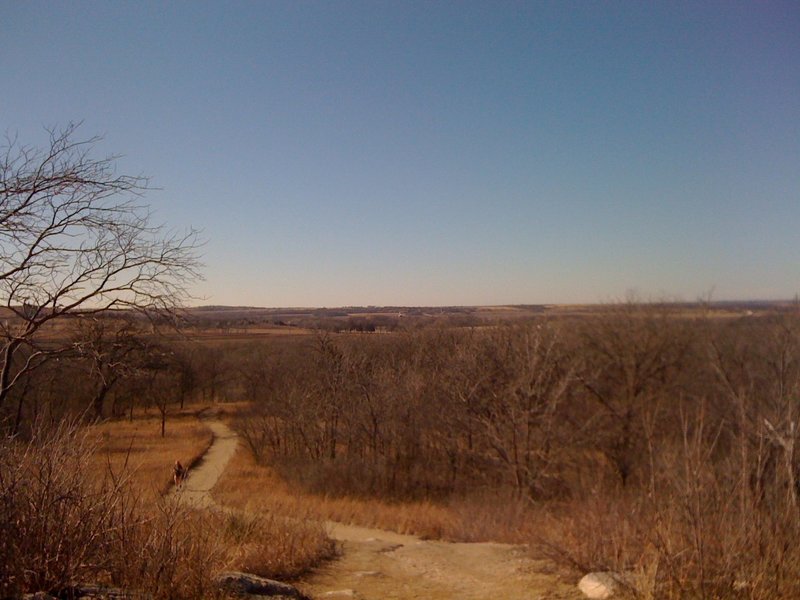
(520, 418)
(75, 237)
(112, 349)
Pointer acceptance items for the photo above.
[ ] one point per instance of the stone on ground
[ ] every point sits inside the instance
(93, 591)
(248, 584)
(599, 585)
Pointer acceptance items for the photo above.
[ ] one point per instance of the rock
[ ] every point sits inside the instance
(101, 592)
(39, 596)
(600, 585)
(247, 584)
(340, 594)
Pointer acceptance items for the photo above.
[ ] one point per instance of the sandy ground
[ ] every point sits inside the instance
(382, 565)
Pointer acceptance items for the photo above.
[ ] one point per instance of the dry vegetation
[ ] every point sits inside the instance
(84, 504)
(137, 447)
(87, 281)
(650, 439)
(255, 488)
(644, 440)
(61, 525)
(274, 546)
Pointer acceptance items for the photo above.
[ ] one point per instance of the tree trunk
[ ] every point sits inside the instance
(99, 399)
(5, 373)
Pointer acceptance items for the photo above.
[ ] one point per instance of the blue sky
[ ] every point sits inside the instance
(437, 153)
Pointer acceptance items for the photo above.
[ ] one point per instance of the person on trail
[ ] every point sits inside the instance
(179, 474)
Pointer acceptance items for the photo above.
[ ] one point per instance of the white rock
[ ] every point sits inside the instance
(599, 585)
(340, 594)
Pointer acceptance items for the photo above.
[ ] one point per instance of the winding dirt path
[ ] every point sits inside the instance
(382, 565)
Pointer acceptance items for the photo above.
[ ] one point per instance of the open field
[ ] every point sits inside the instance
(244, 321)
(220, 325)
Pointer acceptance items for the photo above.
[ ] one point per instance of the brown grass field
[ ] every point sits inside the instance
(257, 489)
(260, 543)
(254, 488)
(138, 446)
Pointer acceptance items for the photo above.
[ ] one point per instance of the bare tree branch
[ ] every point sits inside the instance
(75, 237)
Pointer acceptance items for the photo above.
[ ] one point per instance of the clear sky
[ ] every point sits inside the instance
(438, 153)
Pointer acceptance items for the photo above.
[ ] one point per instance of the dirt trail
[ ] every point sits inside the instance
(382, 565)
(204, 475)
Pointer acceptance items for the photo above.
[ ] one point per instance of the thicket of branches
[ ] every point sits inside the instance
(652, 442)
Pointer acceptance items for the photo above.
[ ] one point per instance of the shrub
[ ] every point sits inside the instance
(61, 526)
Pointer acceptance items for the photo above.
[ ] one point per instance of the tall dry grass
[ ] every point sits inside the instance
(273, 545)
(61, 525)
(703, 529)
(255, 488)
(136, 445)
(251, 487)
(261, 544)
(81, 505)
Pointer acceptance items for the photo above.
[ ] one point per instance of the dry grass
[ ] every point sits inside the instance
(62, 525)
(180, 551)
(261, 544)
(251, 487)
(274, 546)
(170, 553)
(138, 446)
(229, 412)
(254, 488)
(67, 519)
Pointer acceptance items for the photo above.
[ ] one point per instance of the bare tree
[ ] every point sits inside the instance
(76, 238)
(520, 415)
(112, 349)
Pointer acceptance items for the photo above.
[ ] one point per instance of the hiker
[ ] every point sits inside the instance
(179, 474)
